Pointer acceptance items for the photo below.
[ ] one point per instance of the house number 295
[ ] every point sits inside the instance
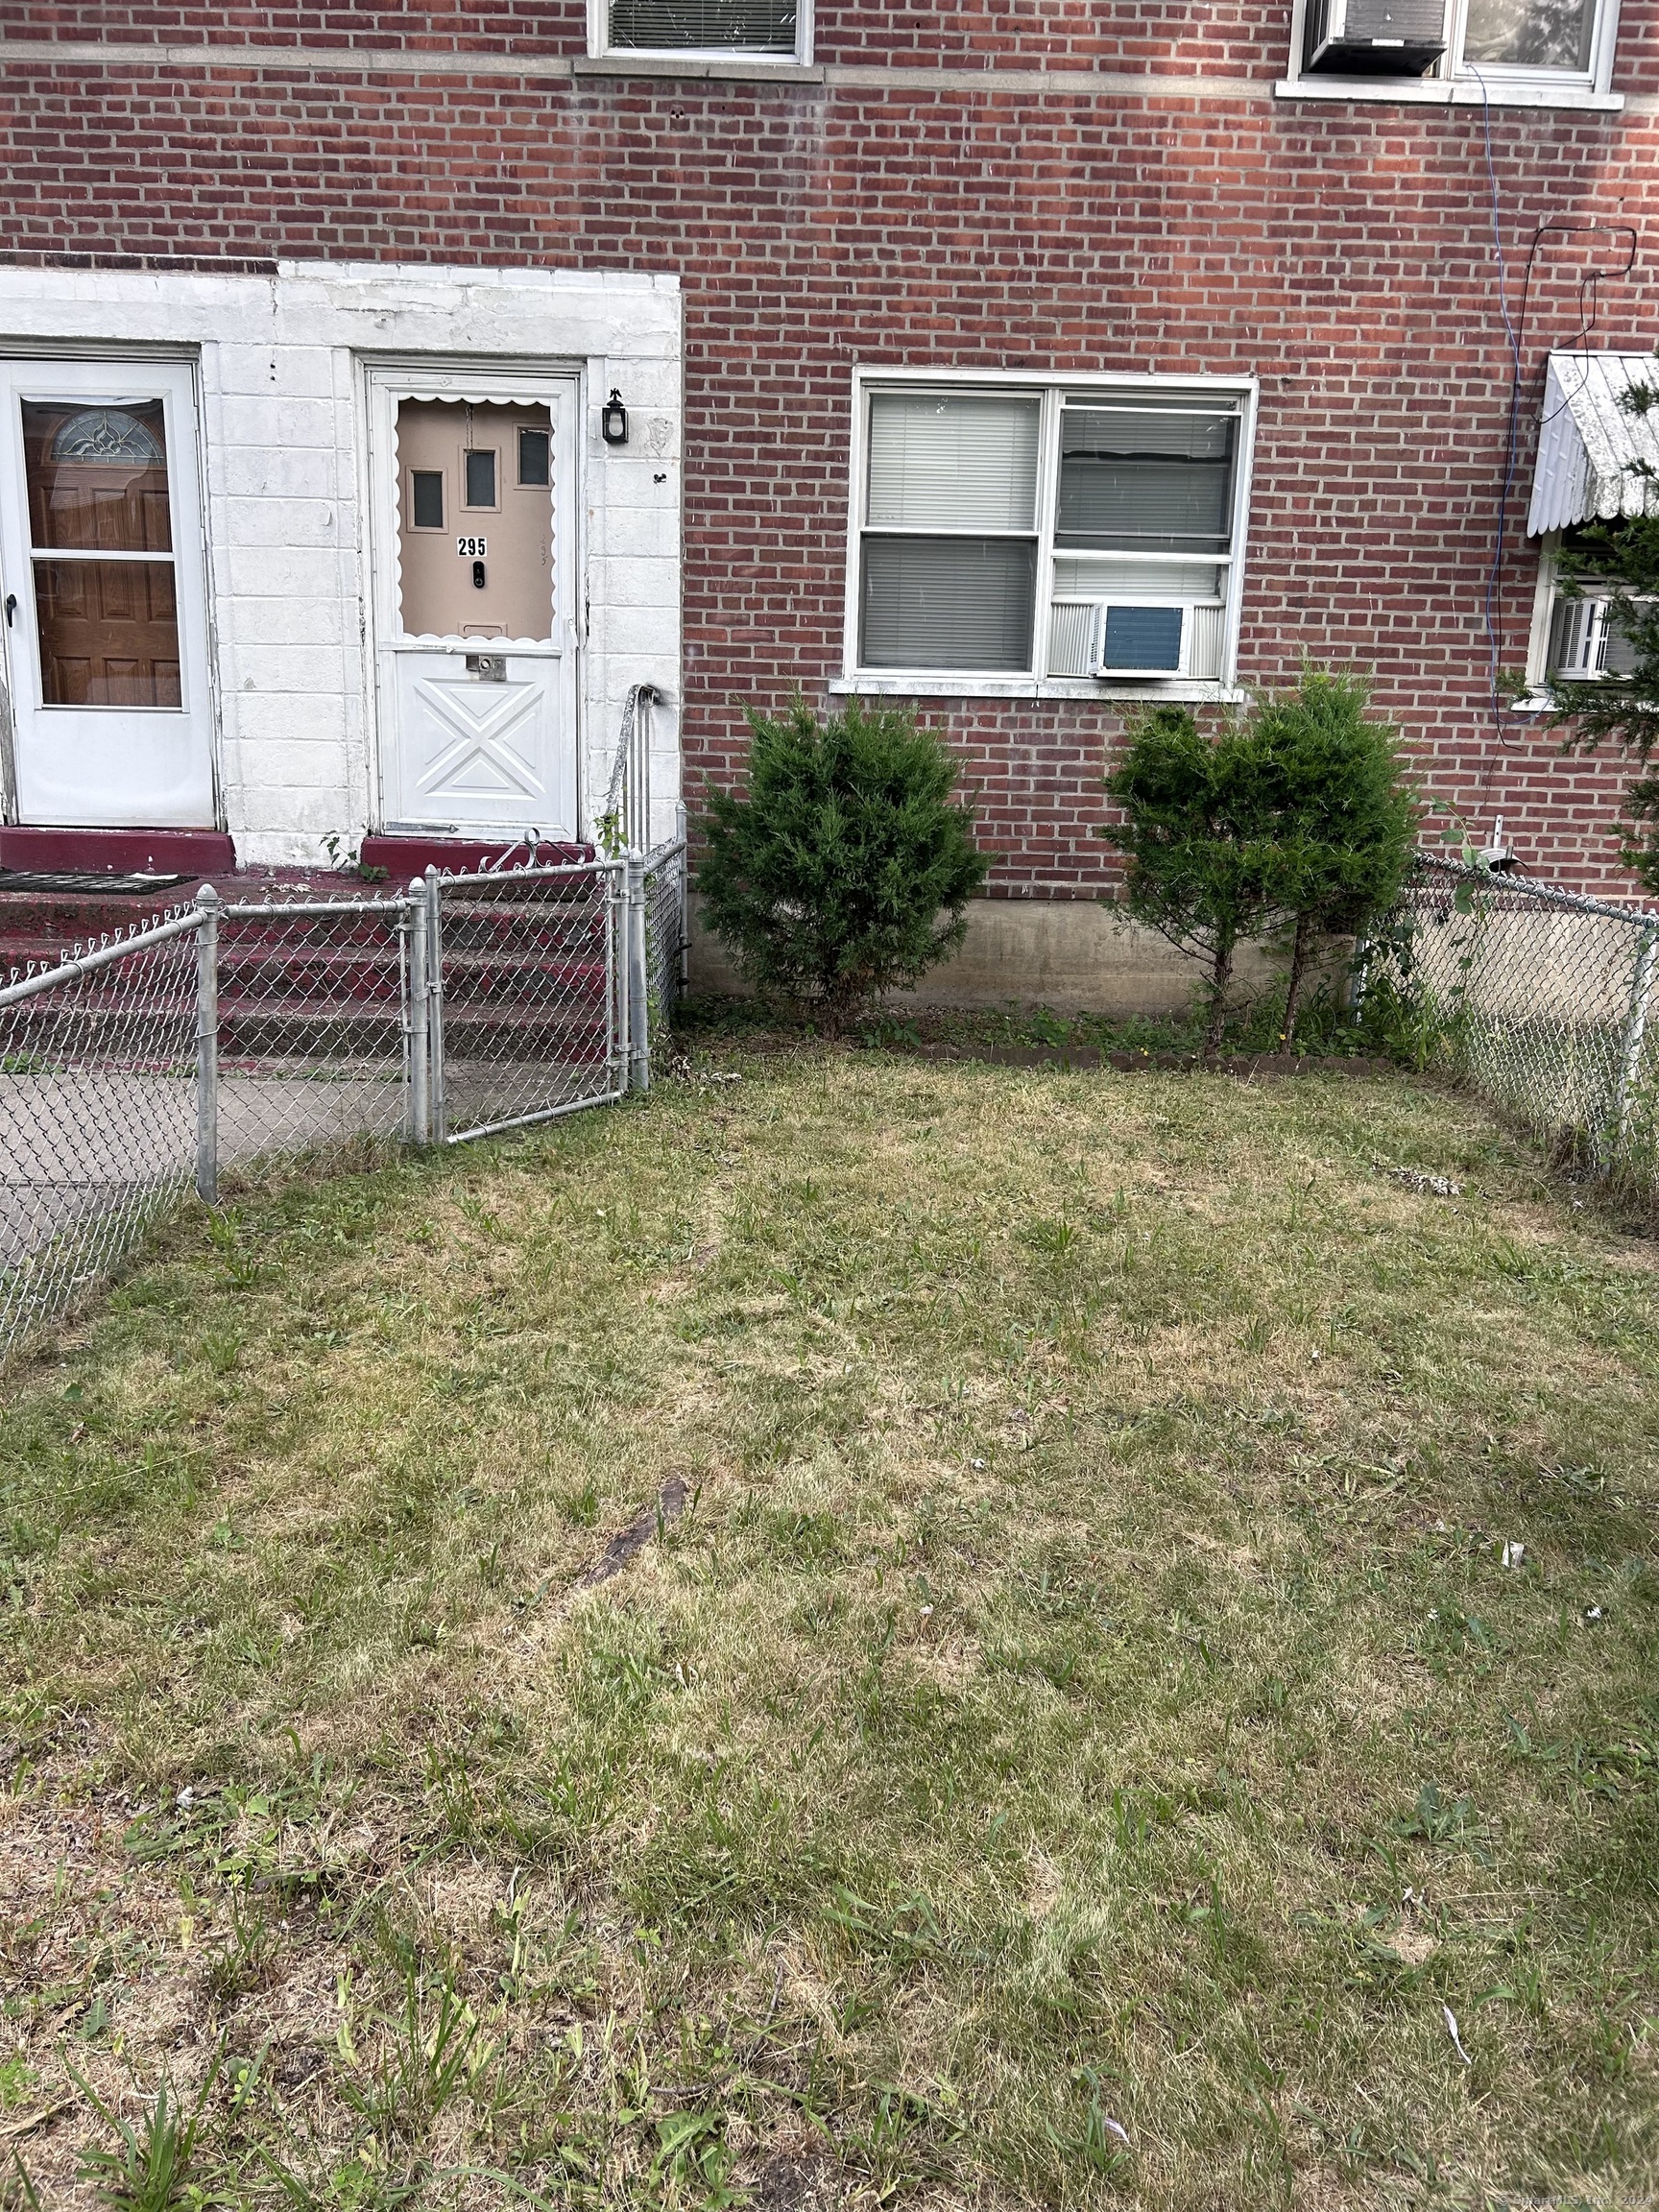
(471, 548)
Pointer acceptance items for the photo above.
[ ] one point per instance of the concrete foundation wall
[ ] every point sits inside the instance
(1072, 954)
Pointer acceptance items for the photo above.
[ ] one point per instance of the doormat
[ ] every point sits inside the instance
(64, 879)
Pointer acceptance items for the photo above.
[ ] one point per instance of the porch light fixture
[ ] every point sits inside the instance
(614, 421)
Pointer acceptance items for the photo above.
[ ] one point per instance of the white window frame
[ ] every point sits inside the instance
(599, 44)
(1545, 601)
(1454, 83)
(1052, 390)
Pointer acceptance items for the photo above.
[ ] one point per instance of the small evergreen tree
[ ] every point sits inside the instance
(1205, 866)
(1344, 816)
(1298, 819)
(1623, 710)
(844, 867)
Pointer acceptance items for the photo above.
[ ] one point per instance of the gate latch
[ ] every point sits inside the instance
(487, 667)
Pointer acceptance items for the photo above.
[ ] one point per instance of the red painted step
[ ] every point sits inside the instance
(116, 852)
(525, 975)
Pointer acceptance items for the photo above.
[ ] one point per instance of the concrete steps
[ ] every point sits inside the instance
(525, 978)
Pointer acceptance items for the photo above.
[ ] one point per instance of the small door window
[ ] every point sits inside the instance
(481, 476)
(426, 497)
(100, 550)
(533, 451)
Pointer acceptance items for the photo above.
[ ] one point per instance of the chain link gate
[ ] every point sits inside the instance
(523, 974)
(98, 1120)
(232, 1033)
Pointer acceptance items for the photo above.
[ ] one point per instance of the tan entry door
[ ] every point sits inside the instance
(477, 665)
(100, 576)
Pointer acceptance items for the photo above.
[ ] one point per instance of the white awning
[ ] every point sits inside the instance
(1587, 441)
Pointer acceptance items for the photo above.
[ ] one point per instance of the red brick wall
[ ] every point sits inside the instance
(1343, 253)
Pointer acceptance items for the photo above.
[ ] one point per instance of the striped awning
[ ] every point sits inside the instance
(1587, 442)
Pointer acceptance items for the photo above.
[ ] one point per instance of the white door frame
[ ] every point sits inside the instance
(559, 386)
(186, 787)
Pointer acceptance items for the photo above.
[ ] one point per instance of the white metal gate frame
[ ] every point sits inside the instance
(620, 1069)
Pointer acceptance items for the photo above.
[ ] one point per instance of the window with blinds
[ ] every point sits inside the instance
(706, 27)
(1047, 533)
(950, 572)
(1581, 641)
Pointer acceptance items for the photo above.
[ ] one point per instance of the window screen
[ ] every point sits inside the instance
(1144, 481)
(717, 26)
(533, 455)
(949, 565)
(953, 464)
(948, 603)
(426, 497)
(481, 476)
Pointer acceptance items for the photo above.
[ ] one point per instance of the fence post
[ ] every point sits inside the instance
(683, 911)
(418, 1124)
(438, 1108)
(1635, 1030)
(638, 985)
(617, 971)
(207, 1044)
(1358, 977)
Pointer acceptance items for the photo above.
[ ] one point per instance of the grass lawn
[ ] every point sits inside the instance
(1084, 1741)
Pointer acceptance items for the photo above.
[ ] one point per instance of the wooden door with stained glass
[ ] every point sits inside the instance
(101, 571)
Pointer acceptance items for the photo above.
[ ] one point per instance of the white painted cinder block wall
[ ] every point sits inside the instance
(283, 429)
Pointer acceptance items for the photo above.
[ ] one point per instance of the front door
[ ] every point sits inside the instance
(101, 573)
(476, 667)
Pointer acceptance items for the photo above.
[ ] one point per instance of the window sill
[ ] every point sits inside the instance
(1449, 93)
(738, 69)
(1085, 688)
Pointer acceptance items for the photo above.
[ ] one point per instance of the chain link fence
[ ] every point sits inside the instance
(312, 1045)
(97, 1113)
(667, 934)
(1545, 1003)
(230, 1034)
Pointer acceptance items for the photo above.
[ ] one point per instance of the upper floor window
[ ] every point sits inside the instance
(1531, 34)
(1491, 49)
(705, 28)
(1064, 531)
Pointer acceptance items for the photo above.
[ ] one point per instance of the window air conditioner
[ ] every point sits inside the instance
(1374, 37)
(1584, 647)
(1141, 640)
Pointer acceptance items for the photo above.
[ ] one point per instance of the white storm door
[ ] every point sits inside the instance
(101, 572)
(474, 546)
